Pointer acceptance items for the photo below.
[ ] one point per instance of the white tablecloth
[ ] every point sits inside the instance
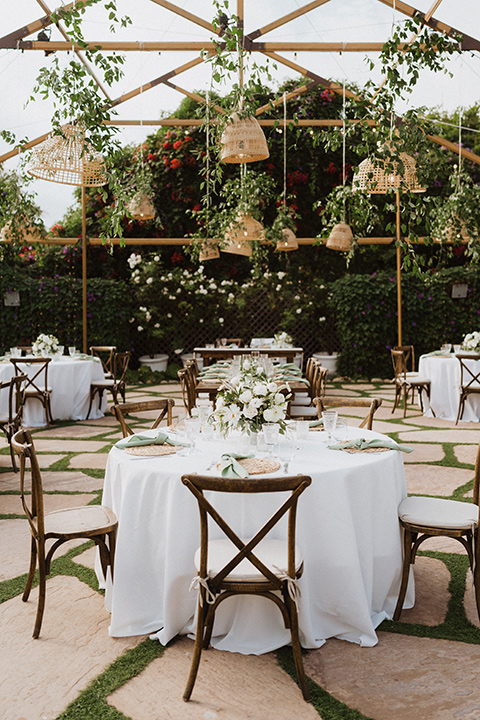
(348, 532)
(444, 373)
(70, 381)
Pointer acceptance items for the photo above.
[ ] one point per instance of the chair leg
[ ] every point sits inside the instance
(407, 559)
(42, 591)
(31, 570)
(297, 651)
(476, 572)
(92, 395)
(197, 652)
(460, 409)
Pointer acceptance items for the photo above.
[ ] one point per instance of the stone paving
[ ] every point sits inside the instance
(423, 668)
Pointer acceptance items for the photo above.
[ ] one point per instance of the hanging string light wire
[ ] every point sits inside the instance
(288, 241)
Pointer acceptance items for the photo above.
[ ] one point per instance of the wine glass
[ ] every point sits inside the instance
(329, 422)
(287, 448)
(72, 351)
(270, 435)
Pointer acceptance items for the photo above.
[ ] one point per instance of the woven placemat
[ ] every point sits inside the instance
(257, 466)
(367, 450)
(151, 450)
(319, 428)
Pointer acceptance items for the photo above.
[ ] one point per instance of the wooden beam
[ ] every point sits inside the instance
(467, 42)
(468, 154)
(114, 45)
(266, 122)
(285, 19)
(11, 40)
(187, 15)
(77, 53)
(27, 146)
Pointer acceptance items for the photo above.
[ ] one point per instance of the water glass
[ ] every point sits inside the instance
(341, 430)
(270, 435)
(192, 430)
(329, 422)
(72, 351)
(287, 448)
(302, 427)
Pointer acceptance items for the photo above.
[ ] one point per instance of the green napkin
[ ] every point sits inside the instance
(160, 438)
(362, 444)
(316, 423)
(292, 366)
(230, 467)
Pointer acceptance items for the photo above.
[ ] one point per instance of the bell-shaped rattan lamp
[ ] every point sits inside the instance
(241, 234)
(243, 140)
(27, 234)
(209, 251)
(141, 207)
(379, 175)
(340, 238)
(288, 242)
(68, 159)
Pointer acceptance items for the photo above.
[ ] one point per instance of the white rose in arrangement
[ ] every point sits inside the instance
(246, 396)
(45, 345)
(272, 387)
(279, 399)
(261, 389)
(471, 341)
(273, 414)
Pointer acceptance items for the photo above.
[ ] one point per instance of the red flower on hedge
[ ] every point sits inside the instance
(187, 138)
(151, 157)
(166, 145)
(174, 163)
(177, 144)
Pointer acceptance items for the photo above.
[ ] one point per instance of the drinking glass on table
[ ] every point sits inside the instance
(270, 435)
(192, 430)
(329, 422)
(287, 447)
(302, 427)
(341, 430)
(72, 350)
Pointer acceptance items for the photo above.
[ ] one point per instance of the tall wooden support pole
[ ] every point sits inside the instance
(84, 271)
(399, 272)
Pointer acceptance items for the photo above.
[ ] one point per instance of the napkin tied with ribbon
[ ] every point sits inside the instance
(160, 438)
(230, 467)
(316, 423)
(363, 444)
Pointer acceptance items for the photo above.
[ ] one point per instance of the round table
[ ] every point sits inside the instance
(70, 380)
(347, 529)
(444, 374)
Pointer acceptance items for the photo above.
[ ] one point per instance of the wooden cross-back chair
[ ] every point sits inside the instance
(257, 566)
(164, 405)
(332, 401)
(422, 518)
(88, 522)
(116, 384)
(187, 383)
(105, 354)
(36, 385)
(469, 382)
(317, 389)
(12, 420)
(406, 381)
(229, 341)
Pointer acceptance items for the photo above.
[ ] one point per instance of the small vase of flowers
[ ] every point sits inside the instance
(45, 346)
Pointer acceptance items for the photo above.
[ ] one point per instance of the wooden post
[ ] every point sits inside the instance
(84, 271)
(399, 272)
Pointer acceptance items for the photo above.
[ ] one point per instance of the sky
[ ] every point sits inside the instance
(335, 20)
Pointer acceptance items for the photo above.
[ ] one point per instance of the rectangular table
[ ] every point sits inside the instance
(205, 356)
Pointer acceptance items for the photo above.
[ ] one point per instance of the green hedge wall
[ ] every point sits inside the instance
(365, 307)
(54, 306)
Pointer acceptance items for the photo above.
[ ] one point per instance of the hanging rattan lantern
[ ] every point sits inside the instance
(209, 251)
(68, 159)
(289, 241)
(141, 207)
(243, 140)
(340, 238)
(241, 234)
(379, 175)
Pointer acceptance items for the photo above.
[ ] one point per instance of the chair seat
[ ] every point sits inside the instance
(104, 383)
(37, 393)
(300, 410)
(273, 553)
(438, 513)
(301, 398)
(87, 519)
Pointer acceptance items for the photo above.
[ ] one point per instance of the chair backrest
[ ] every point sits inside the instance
(318, 383)
(193, 365)
(187, 383)
(105, 353)
(399, 365)
(38, 381)
(468, 376)
(165, 406)
(120, 365)
(31, 490)
(409, 353)
(198, 484)
(229, 341)
(323, 403)
(16, 400)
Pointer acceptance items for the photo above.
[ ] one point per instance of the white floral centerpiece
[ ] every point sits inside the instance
(471, 342)
(282, 340)
(249, 400)
(45, 345)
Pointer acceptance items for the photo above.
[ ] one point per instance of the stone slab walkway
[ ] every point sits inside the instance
(423, 668)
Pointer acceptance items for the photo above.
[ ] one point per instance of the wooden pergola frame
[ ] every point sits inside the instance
(252, 42)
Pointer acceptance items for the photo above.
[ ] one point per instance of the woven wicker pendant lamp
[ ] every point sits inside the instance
(141, 207)
(340, 238)
(209, 251)
(70, 160)
(27, 234)
(288, 242)
(241, 234)
(243, 140)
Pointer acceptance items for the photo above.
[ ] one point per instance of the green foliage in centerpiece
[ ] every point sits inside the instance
(249, 400)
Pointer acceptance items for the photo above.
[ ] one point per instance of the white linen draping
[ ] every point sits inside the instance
(444, 374)
(70, 380)
(348, 532)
